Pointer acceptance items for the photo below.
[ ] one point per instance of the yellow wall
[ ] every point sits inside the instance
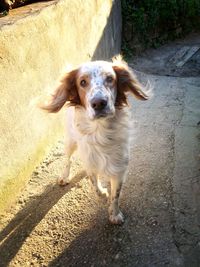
(36, 43)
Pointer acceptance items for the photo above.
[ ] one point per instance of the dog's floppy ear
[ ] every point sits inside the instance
(127, 82)
(65, 92)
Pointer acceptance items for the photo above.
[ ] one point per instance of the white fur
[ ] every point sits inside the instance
(103, 146)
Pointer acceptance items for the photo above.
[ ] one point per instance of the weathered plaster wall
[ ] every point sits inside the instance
(36, 43)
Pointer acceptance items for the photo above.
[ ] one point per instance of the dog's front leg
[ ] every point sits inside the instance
(66, 176)
(115, 215)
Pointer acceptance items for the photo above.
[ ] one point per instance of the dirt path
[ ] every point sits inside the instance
(68, 226)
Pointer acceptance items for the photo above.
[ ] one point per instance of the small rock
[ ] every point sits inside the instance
(20, 201)
(117, 256)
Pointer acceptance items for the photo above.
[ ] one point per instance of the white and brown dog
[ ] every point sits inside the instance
(98, 123)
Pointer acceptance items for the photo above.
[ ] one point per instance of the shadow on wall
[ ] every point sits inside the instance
(110, 42)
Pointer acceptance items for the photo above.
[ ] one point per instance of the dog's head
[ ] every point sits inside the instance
(99, 86)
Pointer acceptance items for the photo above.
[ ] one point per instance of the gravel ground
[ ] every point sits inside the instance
(68, 226)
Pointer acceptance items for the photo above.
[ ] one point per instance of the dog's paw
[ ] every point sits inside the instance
(117, 219)
(63, 181)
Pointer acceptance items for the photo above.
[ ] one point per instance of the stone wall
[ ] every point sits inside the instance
(36, 43)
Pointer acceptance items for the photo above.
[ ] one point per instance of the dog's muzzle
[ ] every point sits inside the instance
(100, 103)
(99, 106)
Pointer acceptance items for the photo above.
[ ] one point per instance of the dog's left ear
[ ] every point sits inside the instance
(127, 82)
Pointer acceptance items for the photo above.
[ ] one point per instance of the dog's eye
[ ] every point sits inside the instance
(109, 79)
(83, 83)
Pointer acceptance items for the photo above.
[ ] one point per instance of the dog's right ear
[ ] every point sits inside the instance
(65, 92)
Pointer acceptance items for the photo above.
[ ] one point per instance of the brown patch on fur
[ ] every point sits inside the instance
(82, 90)
(65, 92)
(127, 82)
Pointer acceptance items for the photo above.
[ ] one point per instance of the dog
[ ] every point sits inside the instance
(98, 123)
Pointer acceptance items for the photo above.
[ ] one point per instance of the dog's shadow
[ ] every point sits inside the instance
(99, 245)
(19, 228)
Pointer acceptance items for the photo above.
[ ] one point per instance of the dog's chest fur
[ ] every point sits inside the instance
(103, 145)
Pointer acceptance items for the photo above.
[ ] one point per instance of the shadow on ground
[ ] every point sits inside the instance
(15, 233)
(101, 245)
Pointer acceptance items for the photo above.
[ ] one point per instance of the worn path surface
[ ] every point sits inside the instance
(68, 226)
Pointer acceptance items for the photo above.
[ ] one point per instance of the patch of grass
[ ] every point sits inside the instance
(151, 23)
(3, 14)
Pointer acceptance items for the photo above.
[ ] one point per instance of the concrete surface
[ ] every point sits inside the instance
(68, 226)
(36, 43)
(161, 61)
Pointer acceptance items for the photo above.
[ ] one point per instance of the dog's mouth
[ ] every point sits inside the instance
(103, 115)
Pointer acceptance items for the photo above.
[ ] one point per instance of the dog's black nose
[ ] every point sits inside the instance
(98, 104)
